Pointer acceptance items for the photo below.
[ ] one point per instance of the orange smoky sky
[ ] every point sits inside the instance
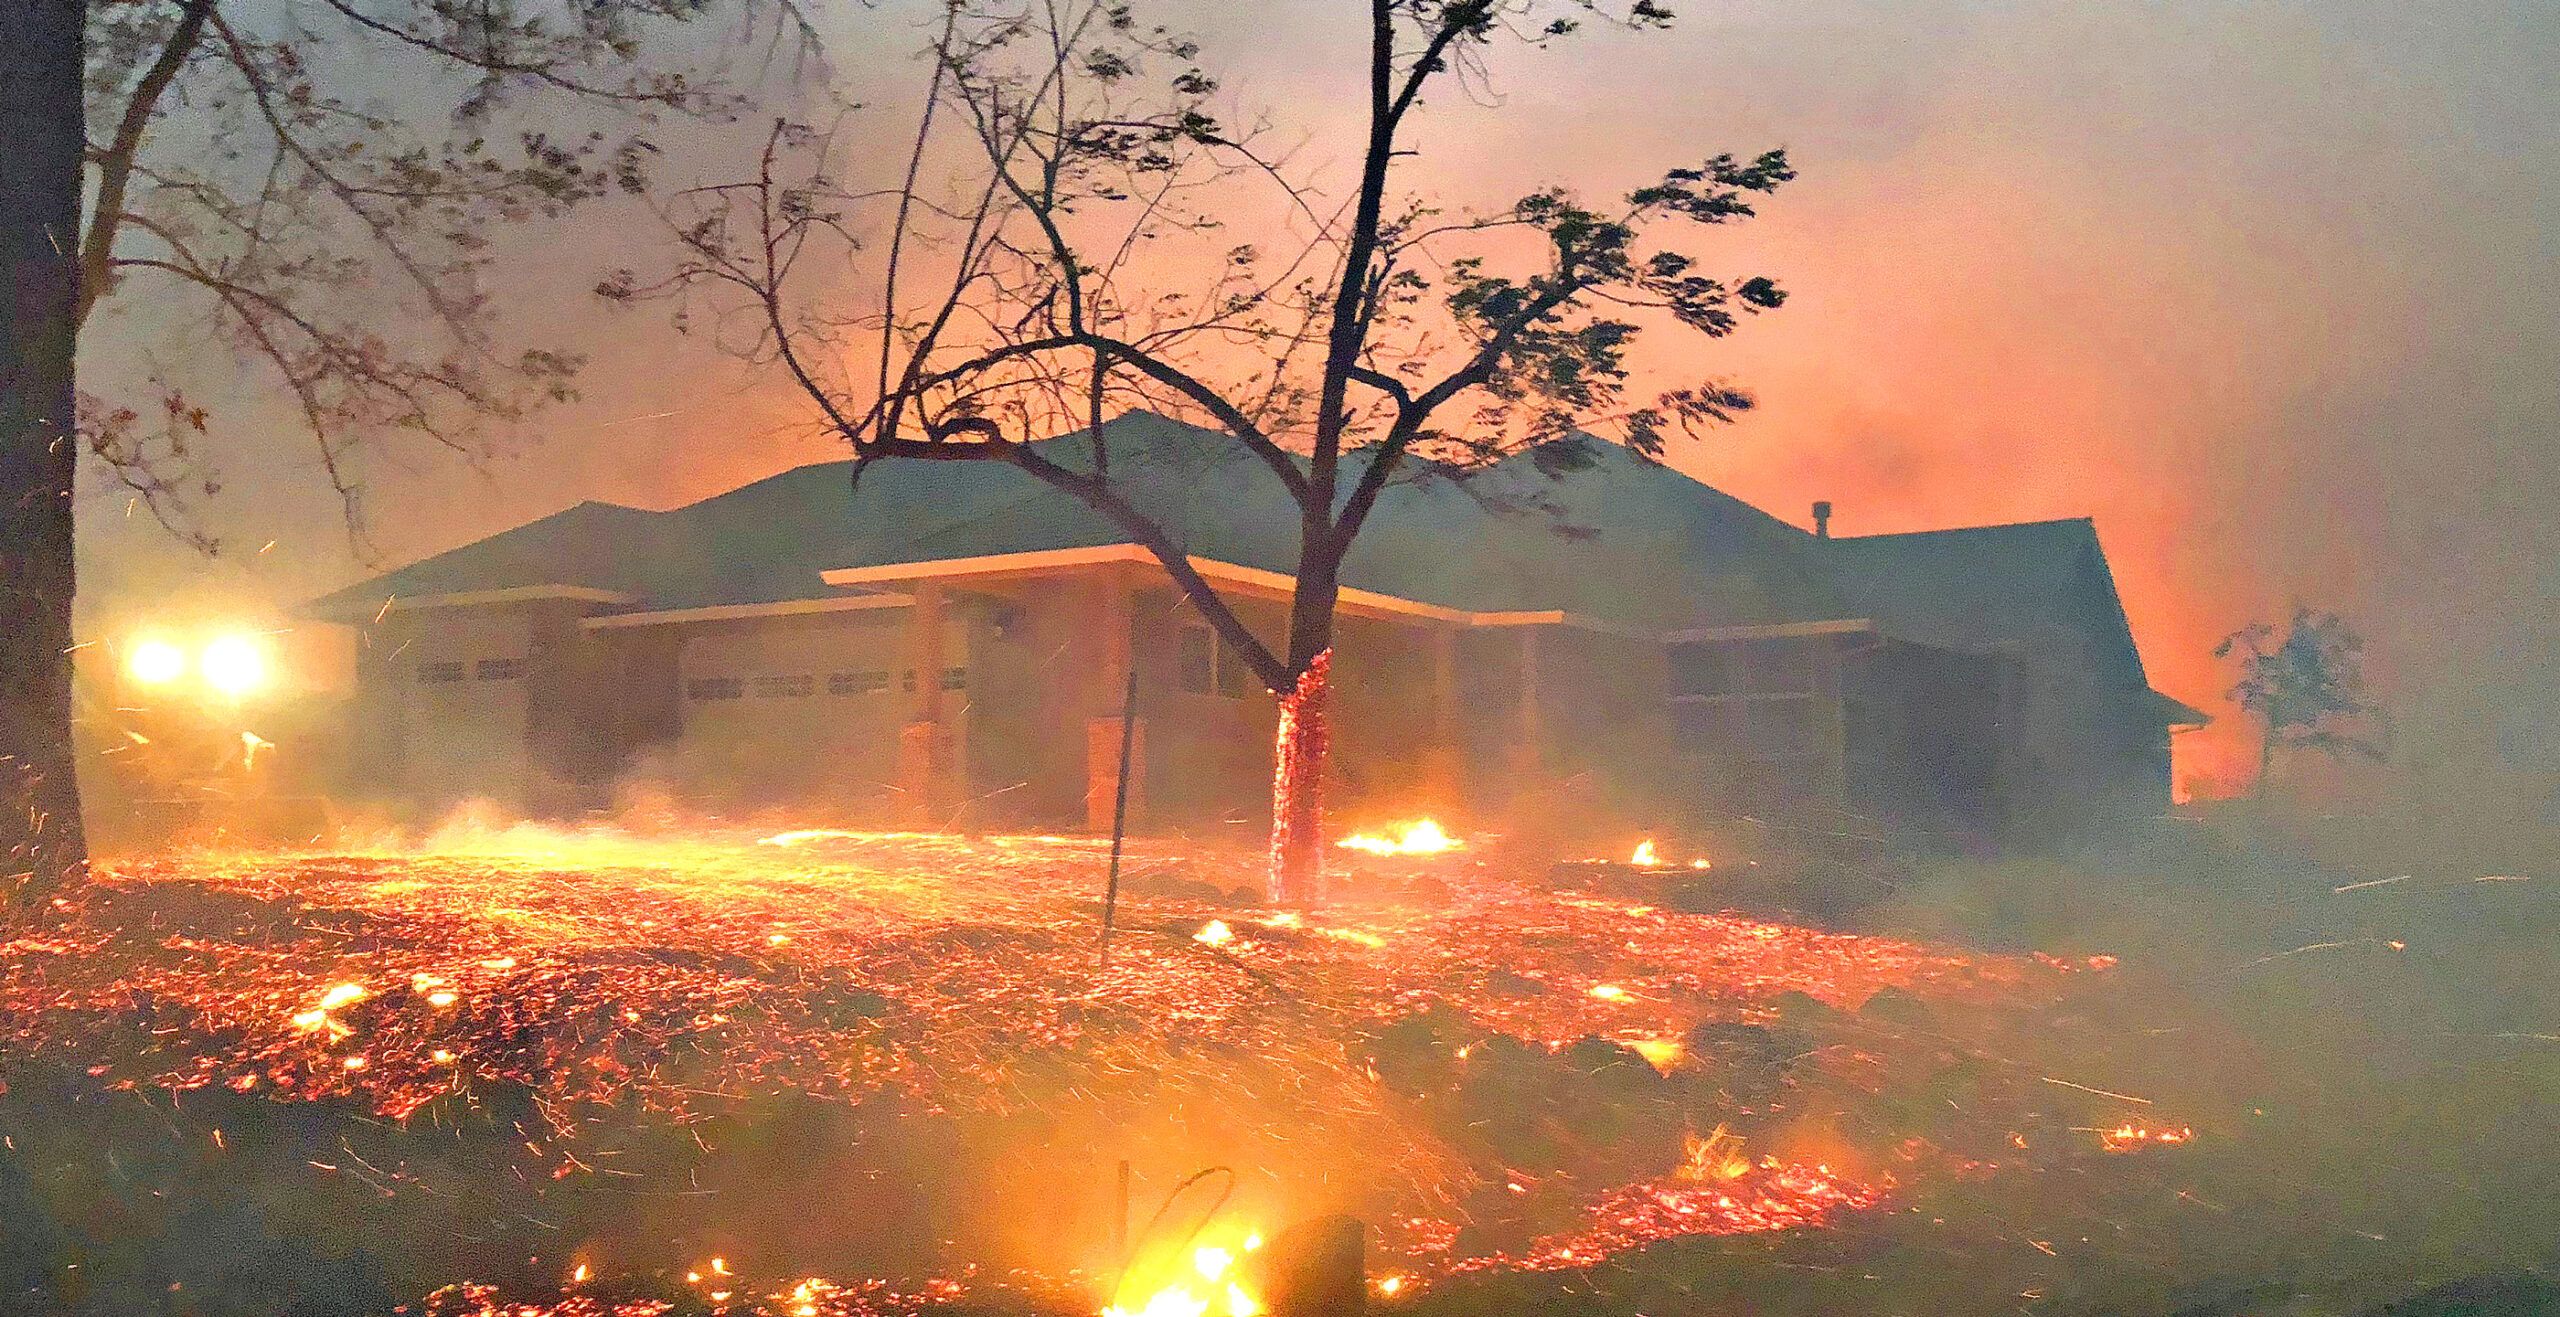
(2270, 291)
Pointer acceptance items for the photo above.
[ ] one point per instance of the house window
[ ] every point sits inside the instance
(715, 688)
(955, 679)
(857, 683)
(784, 687)
(1204, 664)
(498, 669)
(443, 672)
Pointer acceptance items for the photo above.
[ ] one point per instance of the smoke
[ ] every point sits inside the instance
(2267, 291)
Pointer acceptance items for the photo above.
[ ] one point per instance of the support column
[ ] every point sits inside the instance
(927, 761)
(1106, 687)
(1530, 751)
(1444, 756)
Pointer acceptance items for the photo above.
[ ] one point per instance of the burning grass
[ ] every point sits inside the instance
(1505, 1074)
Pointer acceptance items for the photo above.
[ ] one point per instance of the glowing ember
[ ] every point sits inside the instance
(1645, 856)
(1422, 837)
(1771, 1196)
(2133, 1138)
(607, 976)
(1297, 787)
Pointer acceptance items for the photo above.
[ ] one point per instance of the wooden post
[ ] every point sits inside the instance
(1106, 736)
(924, 749)
(1120, 817)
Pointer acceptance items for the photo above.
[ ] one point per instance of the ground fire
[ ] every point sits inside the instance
(614, 979)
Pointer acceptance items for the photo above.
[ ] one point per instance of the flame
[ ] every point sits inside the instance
(1663, 1054)
(1420, 837)
(1207, 1287)
(1715, 1155)
(1215, 933)
(2130, 1137)
(1645, 856)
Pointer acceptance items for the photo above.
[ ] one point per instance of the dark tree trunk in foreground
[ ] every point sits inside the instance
(41, 138)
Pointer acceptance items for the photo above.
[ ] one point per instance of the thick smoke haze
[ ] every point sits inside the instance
(2271, 291)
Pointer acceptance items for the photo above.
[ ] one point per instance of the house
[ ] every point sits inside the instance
(952, 639)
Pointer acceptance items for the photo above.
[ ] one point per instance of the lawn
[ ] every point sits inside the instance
(853, 1073)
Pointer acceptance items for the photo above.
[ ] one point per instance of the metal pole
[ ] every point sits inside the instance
(1120, 808)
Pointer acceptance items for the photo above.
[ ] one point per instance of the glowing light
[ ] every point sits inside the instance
(803, 836)
(155, 663)
(1715, 1155)
(1645, 856)
(345, 994)
(1663, 1054)
(1300, 743)
(1215, 933)
(2130, 1137)
(233, 666)
(1388, 1285)
(1209, 1287)
(1608, 992)
(1421, 837)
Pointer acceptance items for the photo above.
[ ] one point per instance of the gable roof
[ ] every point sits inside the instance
(2041, 586)
(1623, 541)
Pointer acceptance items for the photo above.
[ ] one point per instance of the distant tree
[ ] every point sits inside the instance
(2303, 685)
(1000, 287)
(243, 161)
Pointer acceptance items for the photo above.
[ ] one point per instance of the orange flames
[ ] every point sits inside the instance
(1420, 837)
(1207, 1283)
(2130, 1137)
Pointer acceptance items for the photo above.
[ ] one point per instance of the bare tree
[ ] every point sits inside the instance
(264, 163)
(1073, 232)
(2305, 687)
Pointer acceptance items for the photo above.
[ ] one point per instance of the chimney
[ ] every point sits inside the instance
(1822, 518)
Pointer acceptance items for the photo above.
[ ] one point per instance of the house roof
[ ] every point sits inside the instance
(1623, 541)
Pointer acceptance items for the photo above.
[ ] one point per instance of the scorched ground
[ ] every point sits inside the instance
(600, 1072)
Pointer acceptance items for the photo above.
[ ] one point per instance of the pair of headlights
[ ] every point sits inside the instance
(231, 666)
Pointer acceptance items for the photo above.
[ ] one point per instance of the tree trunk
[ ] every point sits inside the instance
(2266, 764)
(1297, 786)
(41, 142)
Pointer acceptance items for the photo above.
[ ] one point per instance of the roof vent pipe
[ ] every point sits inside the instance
(1822, 518)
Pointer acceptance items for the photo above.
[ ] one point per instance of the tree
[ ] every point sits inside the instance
(234, 162)
(2306, 689)
(1099, 246)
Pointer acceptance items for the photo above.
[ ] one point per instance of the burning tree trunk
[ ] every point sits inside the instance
(40, 112)
(1297, 786)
